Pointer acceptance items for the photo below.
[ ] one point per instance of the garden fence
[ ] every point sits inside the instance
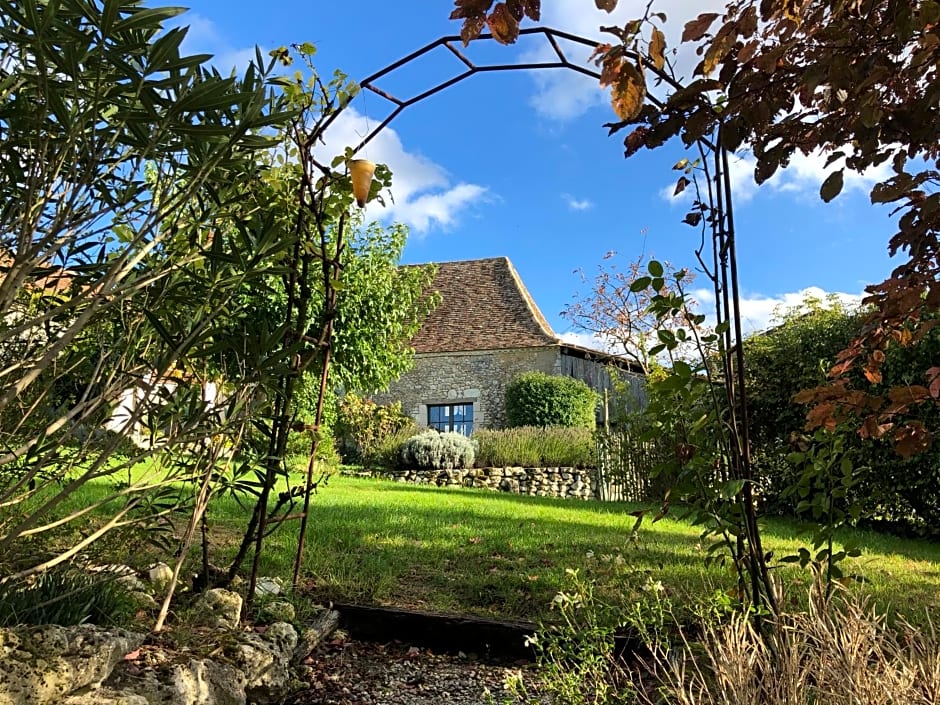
(625, 464)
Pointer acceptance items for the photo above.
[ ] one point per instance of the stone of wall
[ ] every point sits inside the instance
(478, 377)
(569, 483)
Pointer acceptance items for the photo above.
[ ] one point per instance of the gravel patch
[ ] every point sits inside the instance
(343, 671)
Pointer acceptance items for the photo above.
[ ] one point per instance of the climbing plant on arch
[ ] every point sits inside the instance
(726, 496)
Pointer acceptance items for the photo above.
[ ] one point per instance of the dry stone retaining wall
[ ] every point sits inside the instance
(571, 483)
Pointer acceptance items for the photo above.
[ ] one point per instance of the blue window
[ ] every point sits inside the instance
(451, 417)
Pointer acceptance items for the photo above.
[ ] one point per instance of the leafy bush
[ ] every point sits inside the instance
(538, 399)
(387, 453)
(533, 447)
(366, 431)
(795, 356)
(431, 450)
(66, 596)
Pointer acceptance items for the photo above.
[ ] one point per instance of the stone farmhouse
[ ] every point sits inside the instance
(486, 330)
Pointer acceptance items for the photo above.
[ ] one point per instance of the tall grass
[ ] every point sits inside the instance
(533, 447)
(839, 652)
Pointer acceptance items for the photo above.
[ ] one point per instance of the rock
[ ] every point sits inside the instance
(44, 664)
(268, 586)
(106, 696)
(265, 659)
(278, 611)
(160, 575)
(144, 599)
(218, 608)
(324, 625)
(196, 682)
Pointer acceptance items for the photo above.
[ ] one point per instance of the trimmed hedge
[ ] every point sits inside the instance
(538, 399)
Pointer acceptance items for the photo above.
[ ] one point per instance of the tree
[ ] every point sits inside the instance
(380, 308)
(617, 310)
(119, 154)
(794, 356)
(857, 81)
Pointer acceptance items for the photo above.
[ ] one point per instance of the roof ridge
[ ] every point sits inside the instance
(530, 302)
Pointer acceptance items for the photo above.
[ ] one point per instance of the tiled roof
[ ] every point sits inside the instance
(484, 306)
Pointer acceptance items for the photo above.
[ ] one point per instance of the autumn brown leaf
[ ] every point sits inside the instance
(468, 9)
(503, 25)
(822, 415)
(533, 9)
(629, 92)
(719, 48)
(746, 53)
(696, 29)
(680, 185)
(871, 428)
(658, 48)
(911, 438)
(912, 394)
(516, 9)
(832, 186)
(635, 140)
(471, 29)
(606, 5)
(933, 378)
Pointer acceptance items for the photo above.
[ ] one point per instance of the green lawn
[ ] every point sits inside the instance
(479, 552)
(496, 554)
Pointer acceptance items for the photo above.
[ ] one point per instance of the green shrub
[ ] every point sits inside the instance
(387, 453)
(367, 430)
(538, 399)
(532, 447)
(66, 596)
(431, 450)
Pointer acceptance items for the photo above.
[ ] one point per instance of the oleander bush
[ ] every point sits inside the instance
(535, 447)
(431, 450)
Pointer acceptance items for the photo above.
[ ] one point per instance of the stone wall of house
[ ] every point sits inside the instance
(569, 483)
(477, 377)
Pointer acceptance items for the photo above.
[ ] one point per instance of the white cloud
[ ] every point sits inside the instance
(577, 204)
(759, 311)
(804, 175)
(564, 95)
(585, 340)
(423, 195)
(204, 37)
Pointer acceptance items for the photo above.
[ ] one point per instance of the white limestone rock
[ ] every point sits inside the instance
(265, 661)
(218, 608)
(160, 575)
(44, 664)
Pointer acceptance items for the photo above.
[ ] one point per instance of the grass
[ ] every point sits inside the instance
(478, 552)
(494, 554)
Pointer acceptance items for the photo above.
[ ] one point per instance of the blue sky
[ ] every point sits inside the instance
(518, 164)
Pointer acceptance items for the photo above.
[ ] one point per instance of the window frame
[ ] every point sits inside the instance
(449, 423)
